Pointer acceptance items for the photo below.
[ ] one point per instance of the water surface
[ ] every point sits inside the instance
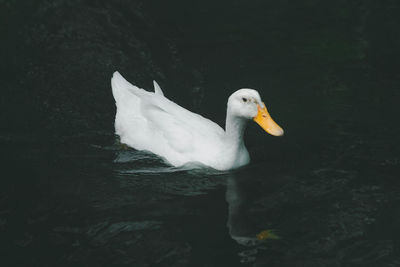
(72, 195)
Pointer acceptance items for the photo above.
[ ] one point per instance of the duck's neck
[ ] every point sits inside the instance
(234, 130)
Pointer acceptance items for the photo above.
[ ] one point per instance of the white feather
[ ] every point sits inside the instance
(157, 88)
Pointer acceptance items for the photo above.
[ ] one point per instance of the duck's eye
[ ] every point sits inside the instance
(244, 99)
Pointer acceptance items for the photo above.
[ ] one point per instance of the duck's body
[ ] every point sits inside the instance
(149, 121)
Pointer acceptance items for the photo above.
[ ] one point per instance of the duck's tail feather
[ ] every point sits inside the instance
(120, 87)
(127, 103)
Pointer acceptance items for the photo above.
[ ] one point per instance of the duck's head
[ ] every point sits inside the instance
(247, 104)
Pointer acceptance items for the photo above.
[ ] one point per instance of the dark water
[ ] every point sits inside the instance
(71, 195)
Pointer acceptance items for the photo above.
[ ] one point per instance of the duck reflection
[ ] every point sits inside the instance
(240, 226)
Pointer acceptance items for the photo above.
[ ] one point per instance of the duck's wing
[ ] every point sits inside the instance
(170, 130)
(157, 89)
(178, 124)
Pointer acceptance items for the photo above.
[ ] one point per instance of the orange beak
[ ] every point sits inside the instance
(266, 122)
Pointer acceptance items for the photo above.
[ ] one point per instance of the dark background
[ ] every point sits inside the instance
(70, 195)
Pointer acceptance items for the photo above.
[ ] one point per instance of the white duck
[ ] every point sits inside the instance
(149, 121)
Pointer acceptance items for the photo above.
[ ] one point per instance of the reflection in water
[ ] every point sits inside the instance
(237, 219)
(239, 224)
(191, 181)
(141, 211)
(151, 173)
